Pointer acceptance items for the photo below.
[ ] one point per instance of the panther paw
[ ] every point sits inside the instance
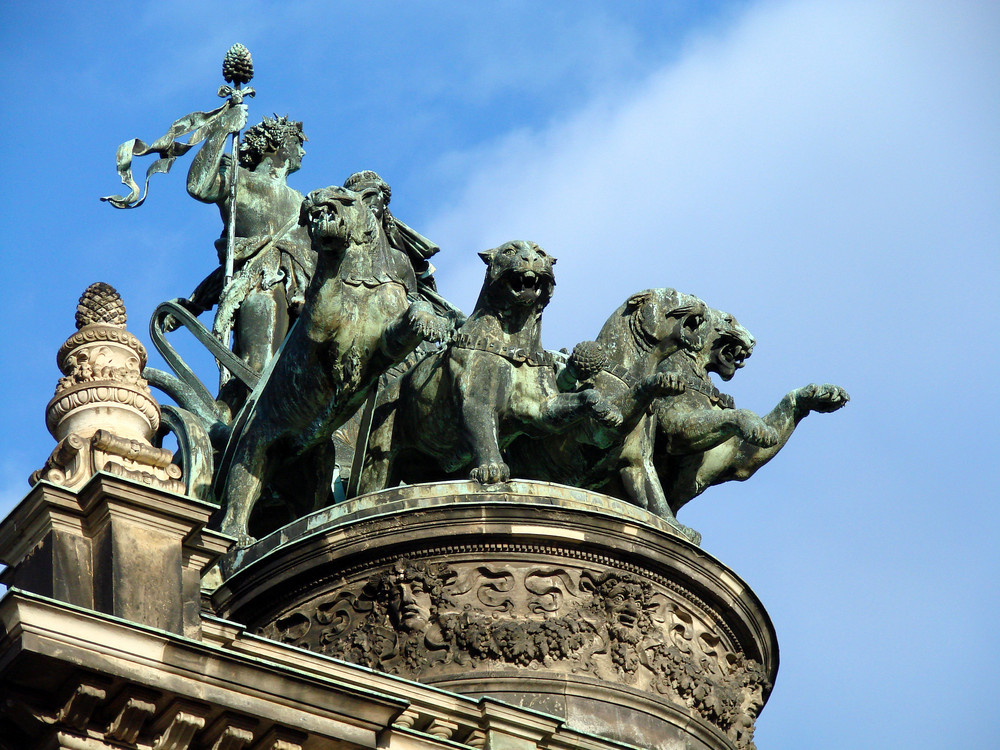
(426, 324)
(764, 438)
(491, 473)
(607, 414)
(755, 430)
(824, 398)
(668, 384)
(690, 534)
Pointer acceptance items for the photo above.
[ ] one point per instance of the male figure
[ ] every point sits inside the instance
(273, 259)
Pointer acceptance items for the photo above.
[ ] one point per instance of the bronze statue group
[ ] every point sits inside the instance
(350, 370)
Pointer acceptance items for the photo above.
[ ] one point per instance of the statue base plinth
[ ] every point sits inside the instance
(549, 597)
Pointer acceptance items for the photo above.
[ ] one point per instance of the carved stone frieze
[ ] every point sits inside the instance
(416, 618)
(556, 599)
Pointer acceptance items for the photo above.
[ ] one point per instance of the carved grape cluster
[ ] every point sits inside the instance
(521, 642)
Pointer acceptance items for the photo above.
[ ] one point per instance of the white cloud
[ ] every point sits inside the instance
(801, 155)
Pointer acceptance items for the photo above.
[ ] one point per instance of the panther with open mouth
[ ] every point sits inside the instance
(701, 439)
(461, 407)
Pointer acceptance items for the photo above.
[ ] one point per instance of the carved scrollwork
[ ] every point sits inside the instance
(95, 334)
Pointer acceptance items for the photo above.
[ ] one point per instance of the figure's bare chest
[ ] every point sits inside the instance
(265, 205)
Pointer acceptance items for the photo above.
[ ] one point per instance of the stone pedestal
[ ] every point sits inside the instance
(543, 596)
(114, 546)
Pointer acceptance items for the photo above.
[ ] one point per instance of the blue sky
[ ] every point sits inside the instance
(827, 171)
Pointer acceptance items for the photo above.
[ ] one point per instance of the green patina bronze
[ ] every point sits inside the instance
(345, 357)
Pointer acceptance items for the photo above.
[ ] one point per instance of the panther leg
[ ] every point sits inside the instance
(417, 323)
(319, 462)
(243, 488)
(379, 457)
(641, 483)
(481, 430)
(563, 410)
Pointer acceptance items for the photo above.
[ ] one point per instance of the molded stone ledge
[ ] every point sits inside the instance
(417, 497)
(48, 643)
(79, 679)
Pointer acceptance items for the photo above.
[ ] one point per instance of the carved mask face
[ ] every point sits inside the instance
(410, 607)
(623, 606)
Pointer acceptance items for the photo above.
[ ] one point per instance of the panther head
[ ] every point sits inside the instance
(728, 344)
(336, 217)
(519, 274)
(665, 319)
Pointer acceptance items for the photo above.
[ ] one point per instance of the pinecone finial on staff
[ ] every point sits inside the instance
(237, 67)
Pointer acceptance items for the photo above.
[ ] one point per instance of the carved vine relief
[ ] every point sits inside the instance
(415, 618)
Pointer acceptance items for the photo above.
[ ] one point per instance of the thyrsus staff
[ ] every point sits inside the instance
(272, 257)
(237, 69)
(265, 258)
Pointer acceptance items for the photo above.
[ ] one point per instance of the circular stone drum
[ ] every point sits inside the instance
(553, 598)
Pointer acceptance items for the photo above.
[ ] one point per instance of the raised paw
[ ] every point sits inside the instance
(491, 473)
(755, 430)
(822, 398)
(668, 384)
(606, 413)
(426, 324)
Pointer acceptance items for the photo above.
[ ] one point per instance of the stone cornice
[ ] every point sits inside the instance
(161, 661)
(258, 686)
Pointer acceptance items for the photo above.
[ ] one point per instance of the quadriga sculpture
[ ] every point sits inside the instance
(701, 439)
(645, 330)
(460, 407)
(357, 322)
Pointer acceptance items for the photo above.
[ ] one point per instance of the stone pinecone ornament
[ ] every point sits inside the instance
(100, 304)
(237, 67)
